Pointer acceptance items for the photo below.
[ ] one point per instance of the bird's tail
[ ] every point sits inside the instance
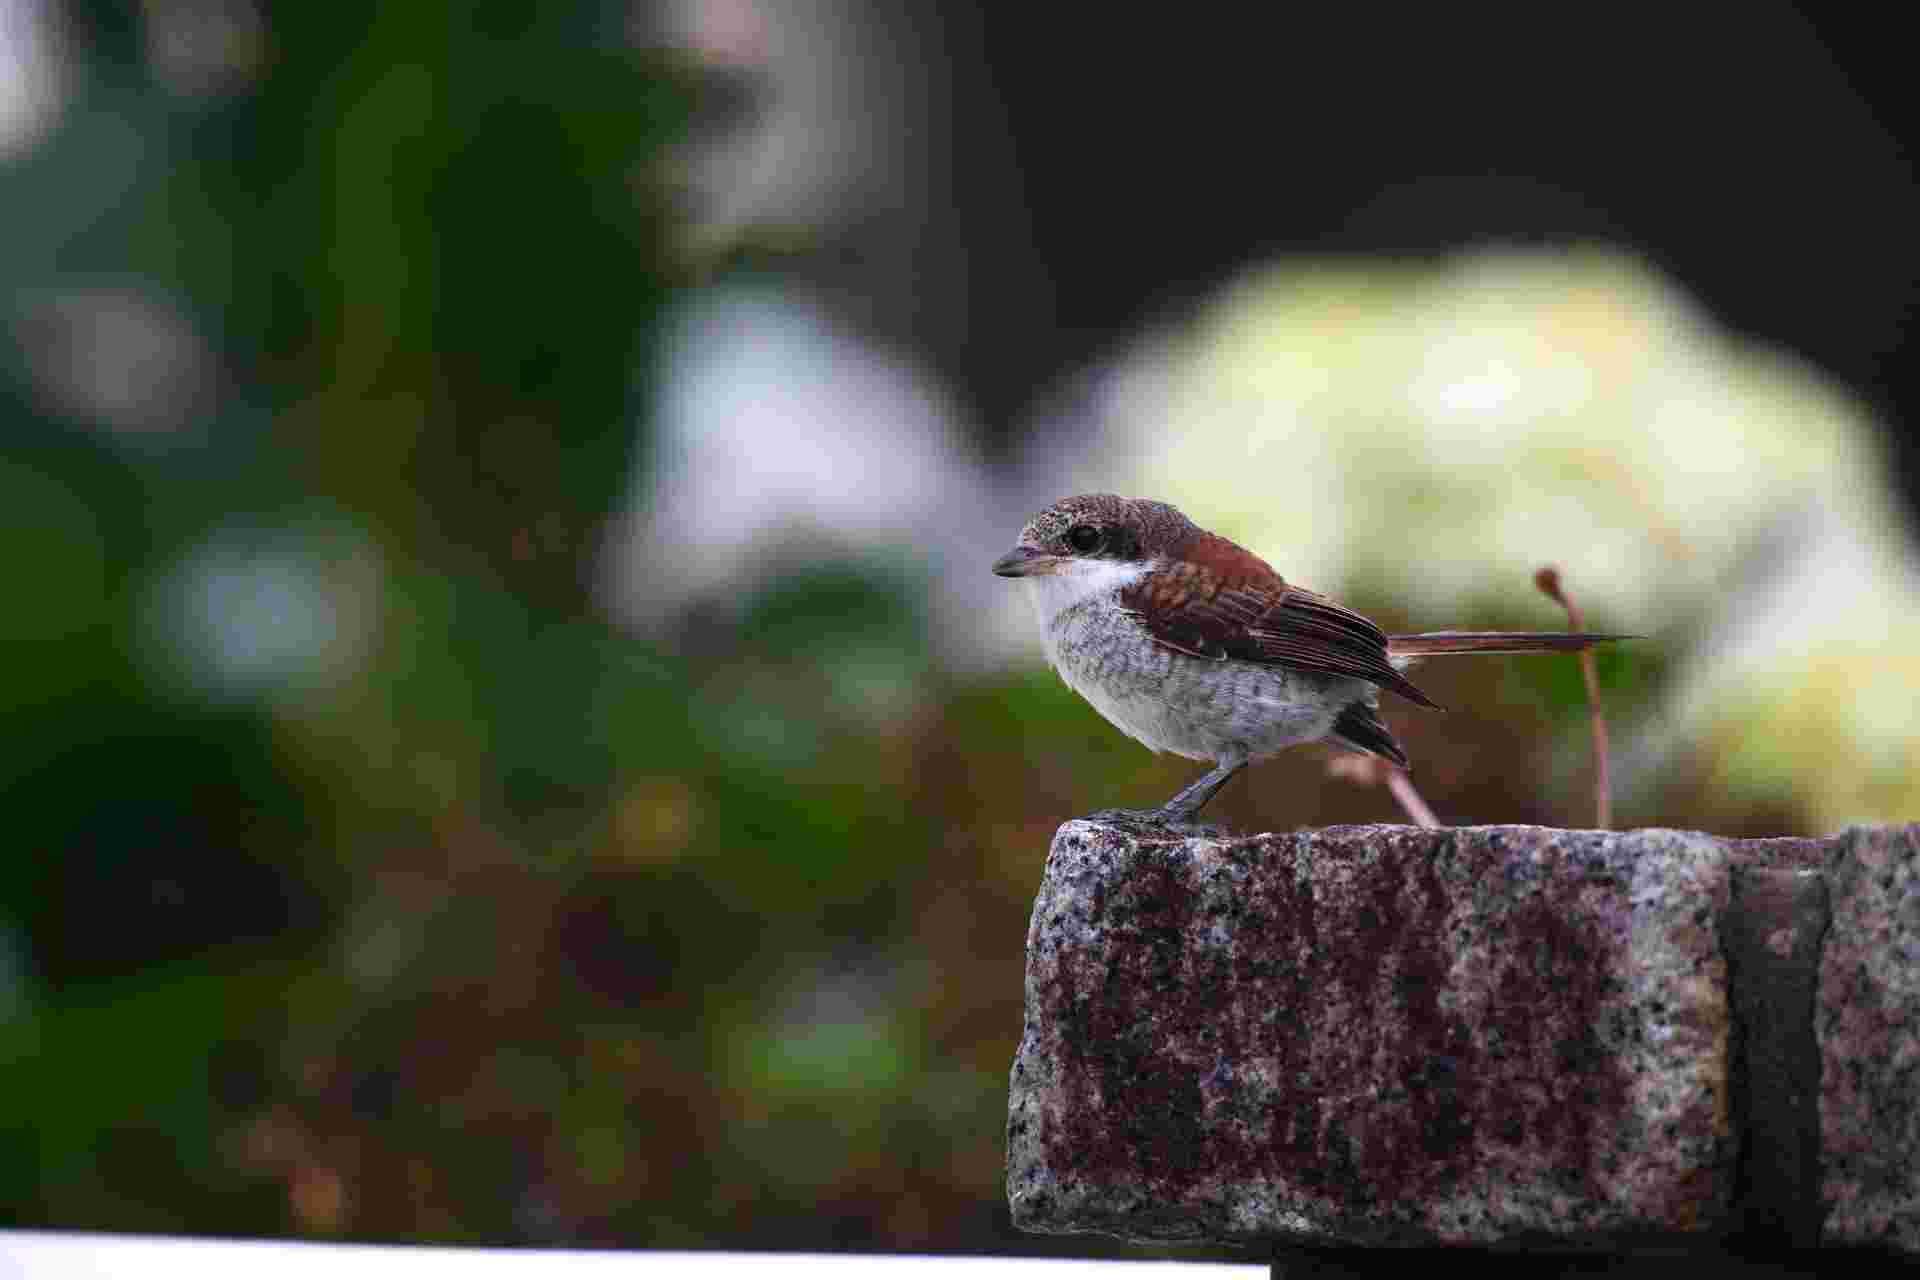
(1430, 644)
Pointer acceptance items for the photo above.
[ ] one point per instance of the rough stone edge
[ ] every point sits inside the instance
(1032, 1213)
(1867, 1022)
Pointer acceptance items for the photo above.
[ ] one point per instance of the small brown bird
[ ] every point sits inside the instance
(1191, 644)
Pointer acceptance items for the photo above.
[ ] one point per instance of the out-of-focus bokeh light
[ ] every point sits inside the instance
(824, 125)
(203, 48)
(784, 441)
(276, 614)
(118, 358)
(33, 74)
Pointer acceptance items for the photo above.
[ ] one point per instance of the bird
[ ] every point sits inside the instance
(1191, 644)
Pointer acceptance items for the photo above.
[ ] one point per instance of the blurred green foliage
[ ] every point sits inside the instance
(496, 924)
(1630, 674)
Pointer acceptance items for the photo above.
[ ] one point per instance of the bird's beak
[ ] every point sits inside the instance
(1022, 562)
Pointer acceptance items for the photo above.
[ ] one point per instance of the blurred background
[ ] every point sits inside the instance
(510, 736)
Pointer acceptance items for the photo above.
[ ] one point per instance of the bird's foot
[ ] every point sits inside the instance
(1180, 821)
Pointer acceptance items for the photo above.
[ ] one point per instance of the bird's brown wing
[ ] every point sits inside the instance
(1314, 633)
(1250, 614)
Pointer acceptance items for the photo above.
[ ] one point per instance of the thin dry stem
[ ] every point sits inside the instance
(1372, 771)
(1402, 788)
(1548, 580)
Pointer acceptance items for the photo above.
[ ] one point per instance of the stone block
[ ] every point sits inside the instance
(1491, 1036)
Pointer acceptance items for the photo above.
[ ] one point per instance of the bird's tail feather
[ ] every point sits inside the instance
(1429, 644)
(1360, 727)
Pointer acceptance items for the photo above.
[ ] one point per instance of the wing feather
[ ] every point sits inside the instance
(1219, 602)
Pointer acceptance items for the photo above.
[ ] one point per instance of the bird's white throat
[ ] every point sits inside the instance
(1075, 582)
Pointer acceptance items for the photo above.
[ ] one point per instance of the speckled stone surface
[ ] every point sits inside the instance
(1867, 1021)
(1376, 1035)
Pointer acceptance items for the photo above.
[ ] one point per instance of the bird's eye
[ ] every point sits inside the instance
(1084, 538)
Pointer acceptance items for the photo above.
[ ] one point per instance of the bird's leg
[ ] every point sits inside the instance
(1194, 796)
(1180, 811)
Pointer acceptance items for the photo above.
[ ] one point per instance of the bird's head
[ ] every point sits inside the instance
(1094, 534)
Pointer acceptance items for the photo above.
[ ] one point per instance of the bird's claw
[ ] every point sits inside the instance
(1166, 819)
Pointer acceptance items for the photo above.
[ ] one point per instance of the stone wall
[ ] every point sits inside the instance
(1489, 1036)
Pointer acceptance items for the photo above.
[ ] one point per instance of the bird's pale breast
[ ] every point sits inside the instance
(1194, 707)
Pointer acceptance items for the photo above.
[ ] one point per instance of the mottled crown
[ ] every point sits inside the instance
(1129, 528)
